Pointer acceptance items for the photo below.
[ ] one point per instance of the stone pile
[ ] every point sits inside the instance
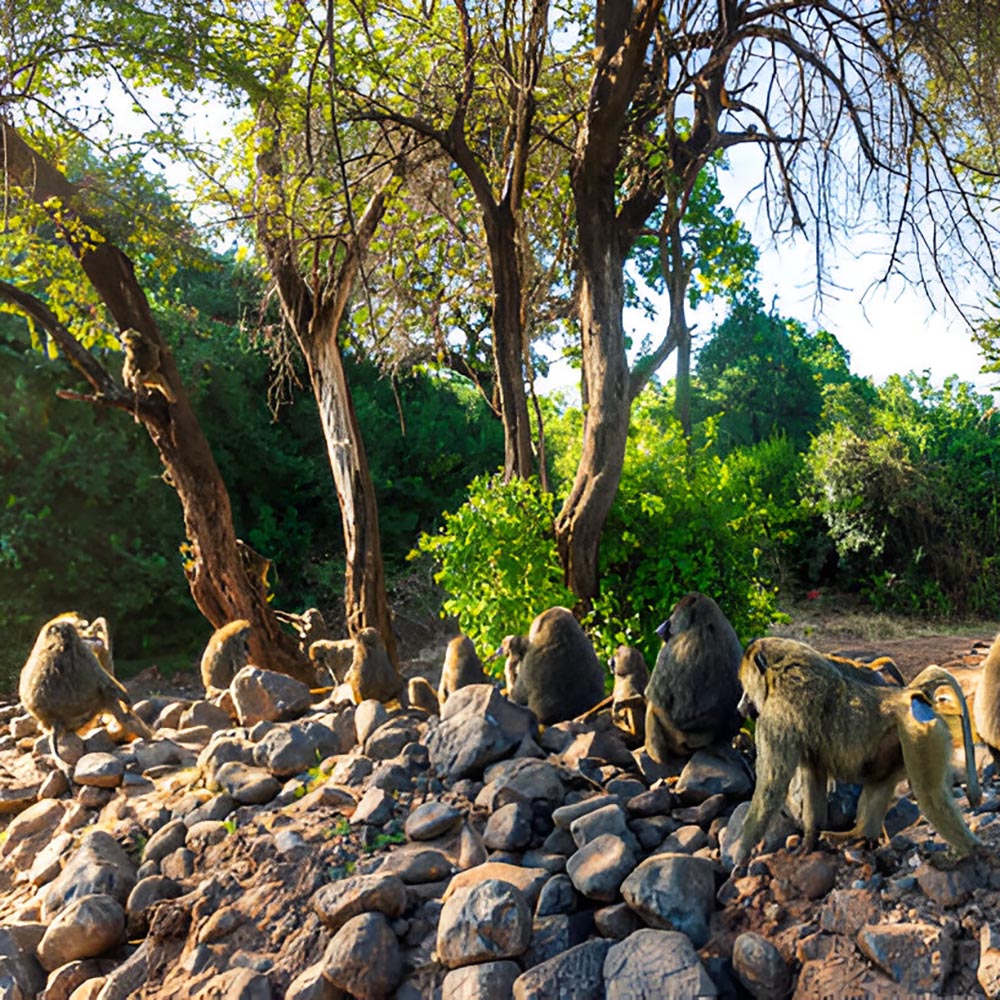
(266, 846)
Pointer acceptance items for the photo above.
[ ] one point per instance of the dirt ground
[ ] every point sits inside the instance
(836, 624)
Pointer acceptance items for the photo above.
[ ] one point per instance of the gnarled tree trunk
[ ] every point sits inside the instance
(220, 586)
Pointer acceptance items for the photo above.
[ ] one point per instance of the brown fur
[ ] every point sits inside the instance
(64, 686)
(628, 703)
(372, 674)
(462, 667)
(142, 365)
(693, 692)
(420, 694)
(333, 655)
(827, 720)
(554, 670)
(986, 704)
(226, 654)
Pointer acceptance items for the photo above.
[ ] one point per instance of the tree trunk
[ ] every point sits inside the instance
(606, 389)
(508, 346)
(365, 599)
(220, 586)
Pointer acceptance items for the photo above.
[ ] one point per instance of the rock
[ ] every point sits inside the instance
(146, 893)
(223, 750)
(128, 978)
(390, 738)
(369, 716)
(165, 841)
(576, 973)
(509, 828)
(352, 771)
(777, 833)
(525, 778)
(655, 802)
(203, 713)
(288, 750)
(815, 876)
(339, 902)
(948, 888)
(557, 896)
(311, 984)
(675, 892)
(564, 816)
(718, 771)
(617, 921)
(483, 922)
(477, 982)
(19, 966)
(30, 831)
(48, 861)
(417, 867)
(478, 726)
(686, 840)
(846, 911)
(760, 968)
(98, 866)
(86, 927)
(264, 695)
(703, 813)
(237, 984)
(471, 849)
(988, 973)
(376, 808)
(598, 869)
(64, 980)
(552, 936)
(364, 959)
(247, 785)
(655, 965)
(431, 820)
(917, 956)
(608, 819)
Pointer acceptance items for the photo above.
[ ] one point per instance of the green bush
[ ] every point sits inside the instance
(683, 521)
(497, 560)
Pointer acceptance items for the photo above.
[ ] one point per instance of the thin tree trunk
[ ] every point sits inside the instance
(219, 584)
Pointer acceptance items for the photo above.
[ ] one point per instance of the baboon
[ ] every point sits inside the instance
(333, 655)
(513, 649)
(554, 670)
(628, 704)
(820, 717)
(95, 634)
(461, 667)
(986, 705)
(64, 686)
(227, 653)
(882, 670)
(420, 694)
(142, 364)
(694, 690)
(372, 674)
(309, 626)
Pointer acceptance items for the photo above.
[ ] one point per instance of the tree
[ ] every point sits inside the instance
(221, 587)
(825, 92)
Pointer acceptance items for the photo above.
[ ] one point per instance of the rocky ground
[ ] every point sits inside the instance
(309, 849)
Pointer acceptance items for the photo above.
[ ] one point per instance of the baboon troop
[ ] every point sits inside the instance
(64, 686)
(227, 653)
(554, 669)
(827, 720)
(986, 705)
(372, 674)
(462, 667)
(694, 690)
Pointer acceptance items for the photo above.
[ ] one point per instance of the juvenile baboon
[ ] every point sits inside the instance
(513, 649)
(461, 667)
(227, 653)
(420, 694)
(64, 686)
(372, 674)
(694, 690)
(142, 364)
(309, 626)
(628, 704)
(820, 717)
(333, 655)
(555, 671)
(986, 705)
(95, 634)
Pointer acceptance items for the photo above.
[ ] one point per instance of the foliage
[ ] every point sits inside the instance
(764, 374)
(912, 501)
(497, 559)
(682, 521)
(86, 523)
